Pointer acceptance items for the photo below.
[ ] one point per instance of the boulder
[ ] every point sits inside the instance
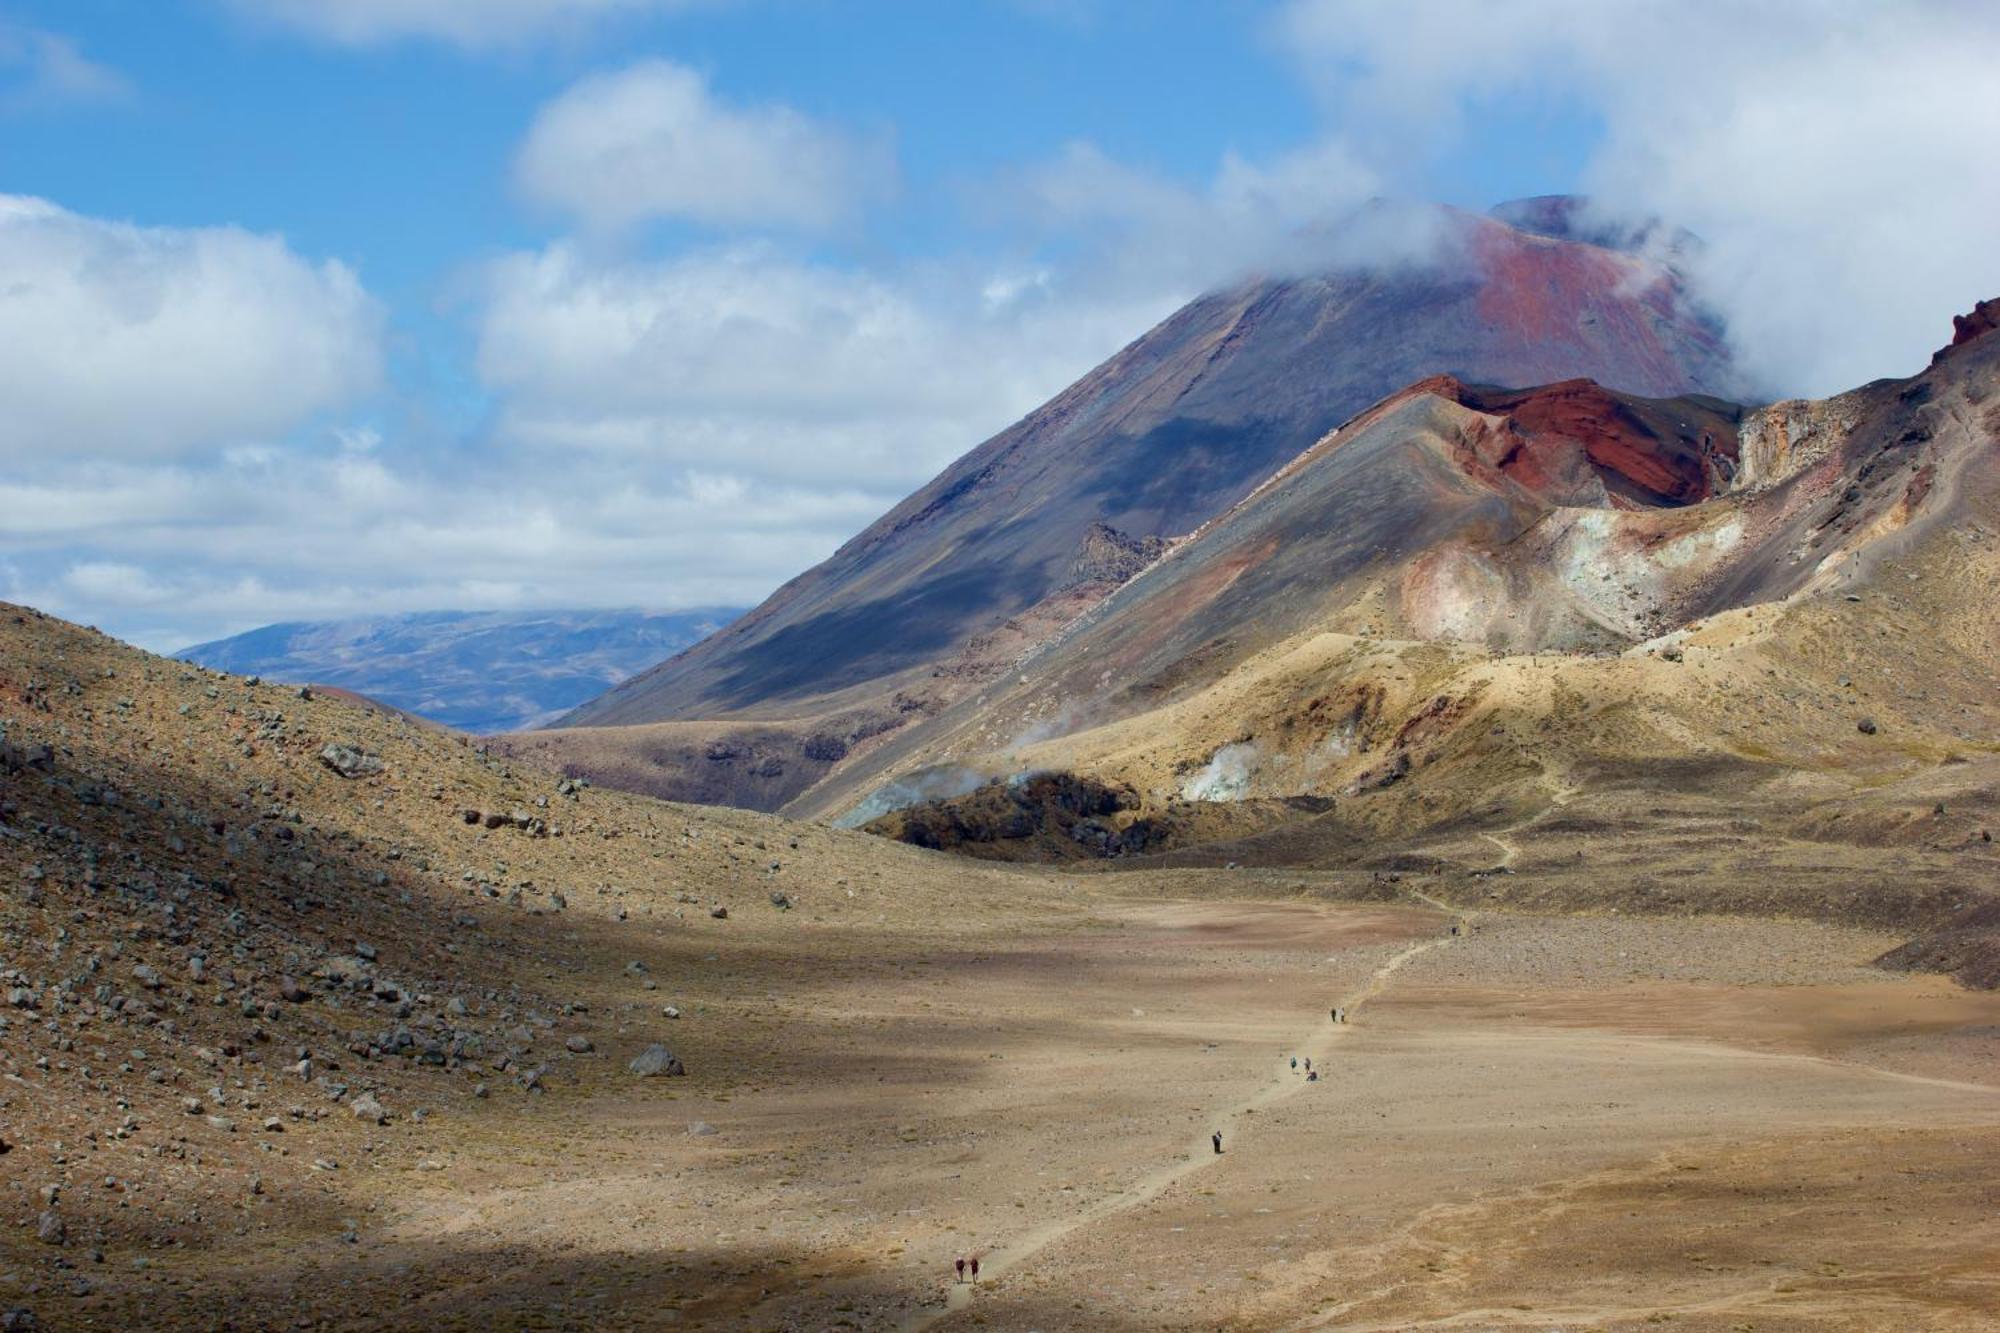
(655, 1061)
(350, 761)
(367, 1109)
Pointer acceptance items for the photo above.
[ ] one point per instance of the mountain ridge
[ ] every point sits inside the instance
(479, 671)
(1165, 434)
(1393, 646)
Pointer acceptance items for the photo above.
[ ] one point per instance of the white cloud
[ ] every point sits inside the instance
(1150, 232)
(651, 142)
(689, 431)
(780, 367)
(468, 23)
(192, 551)
(148, 341)
(1841, 158)
(39, 69)
(671, 433)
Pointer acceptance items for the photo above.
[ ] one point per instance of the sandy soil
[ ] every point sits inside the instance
(1487, 1149)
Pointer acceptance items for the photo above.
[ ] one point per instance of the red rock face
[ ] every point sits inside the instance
(1559, 439)
(1985, 318)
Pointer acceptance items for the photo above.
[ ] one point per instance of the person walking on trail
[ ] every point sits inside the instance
(1217, 1139)
(1295, 1062)
(975, 1268)
(961, 1270)
(1309, 1064)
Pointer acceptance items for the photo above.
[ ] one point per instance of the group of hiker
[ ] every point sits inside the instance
(1338, 1014)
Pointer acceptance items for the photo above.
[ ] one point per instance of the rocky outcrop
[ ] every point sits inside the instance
(1983, 319)
(1111, 557)
(350, 761)
(1082, 816)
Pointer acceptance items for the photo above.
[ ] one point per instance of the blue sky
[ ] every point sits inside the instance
(315, 307)
(396, 157)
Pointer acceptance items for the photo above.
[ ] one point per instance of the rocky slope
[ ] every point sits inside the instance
(264, 947)
(479, 671)
(941, 594)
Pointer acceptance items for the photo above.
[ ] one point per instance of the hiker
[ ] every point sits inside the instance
(975, 1268)
(1295, 1062)
(961, 1270)
(1309, 1064)
(1313, 1077)
(1217, 1136)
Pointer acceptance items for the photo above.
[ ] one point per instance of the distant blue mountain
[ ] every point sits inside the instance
(480, 671)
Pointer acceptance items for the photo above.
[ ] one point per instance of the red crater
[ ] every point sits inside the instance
(1577, 442)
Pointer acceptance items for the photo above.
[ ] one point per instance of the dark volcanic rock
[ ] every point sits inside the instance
(657, 1061)
(1020, 810)
(1111, 556)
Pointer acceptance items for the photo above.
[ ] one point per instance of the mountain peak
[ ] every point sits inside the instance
(1160, 440)
(1578, 217)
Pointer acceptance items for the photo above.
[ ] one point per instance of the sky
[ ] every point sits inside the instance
(318, 308)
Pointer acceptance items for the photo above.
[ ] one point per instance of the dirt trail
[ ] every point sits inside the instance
(1318, 1043)
(1510, 851)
